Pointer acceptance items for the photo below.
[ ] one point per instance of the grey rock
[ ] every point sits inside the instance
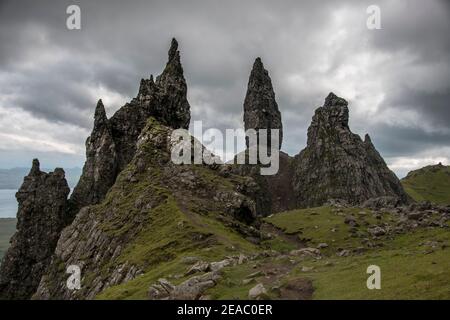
(257, 292)
(312, 252)
(337, 164)
(381, 202)
(377, 231)
(41, 216)
(112, 143)
(191, 289)
(260, 107)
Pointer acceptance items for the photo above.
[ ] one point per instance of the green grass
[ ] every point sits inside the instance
(409, 268)
(315, 225)
(407, 271)
(430, 183)
(7, 229)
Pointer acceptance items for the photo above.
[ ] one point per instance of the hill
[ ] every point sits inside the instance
(431, 183)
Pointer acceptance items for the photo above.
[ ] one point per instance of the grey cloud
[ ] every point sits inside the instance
(121, 42)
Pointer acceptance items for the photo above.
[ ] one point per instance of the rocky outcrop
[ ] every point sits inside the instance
(337, 164)
(100, 169)
(42, 215)
(112, 143)
(260, 107)
(154, 212)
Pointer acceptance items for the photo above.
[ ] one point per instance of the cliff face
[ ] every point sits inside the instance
(337, 164)
(42, 215)
(112, 143)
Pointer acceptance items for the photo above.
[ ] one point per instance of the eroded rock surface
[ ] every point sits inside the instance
(260, 107)
(42, 215)
(151, 194)
(112, 143)
(337, 164)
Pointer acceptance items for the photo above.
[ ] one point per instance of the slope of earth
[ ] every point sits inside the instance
(413, 253)
(7, 229)
(431, 183)
(322, 253)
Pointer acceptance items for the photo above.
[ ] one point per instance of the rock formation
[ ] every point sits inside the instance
(134, 210)
(274, 192)
(41, 217)
(101, 167)
(260, 108)
(337, 164)
(120, 239)
(112, 143)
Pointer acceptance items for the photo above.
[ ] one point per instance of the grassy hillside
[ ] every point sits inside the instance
(414, 264)
(430, 183)
(7, 228)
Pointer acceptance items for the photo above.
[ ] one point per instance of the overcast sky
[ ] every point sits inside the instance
(397, 79)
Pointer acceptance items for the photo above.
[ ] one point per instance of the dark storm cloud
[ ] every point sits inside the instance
(396, 79)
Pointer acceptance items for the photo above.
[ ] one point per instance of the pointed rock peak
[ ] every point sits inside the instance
(260, 75)
(173, 69)
(35, 168)
(260, 107)
(100, 114)
(173, 51)
(142, 85)
(333, 100)
(59, 172)
(258, 65)
(367, 138)
(151, 79)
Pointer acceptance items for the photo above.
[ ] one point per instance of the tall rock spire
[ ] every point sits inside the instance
(42, 215)
(100, 118)
(260, 107)
(337, 164)
(100, 168)
(173, 108)
(112, 143)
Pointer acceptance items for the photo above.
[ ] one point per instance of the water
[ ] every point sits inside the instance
(8, 204)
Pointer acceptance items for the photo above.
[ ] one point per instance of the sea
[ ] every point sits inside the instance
(8, 203)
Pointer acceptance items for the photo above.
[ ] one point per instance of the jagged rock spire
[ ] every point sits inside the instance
(100, 115)
(173, 70)
(332, 117)
(35, 168)
(99, 171)
(260, 107)
(367, 139)
(173, 51)
(42, 215)
(112, 143)
(173, 108)
(337, 164)
(333, 100)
